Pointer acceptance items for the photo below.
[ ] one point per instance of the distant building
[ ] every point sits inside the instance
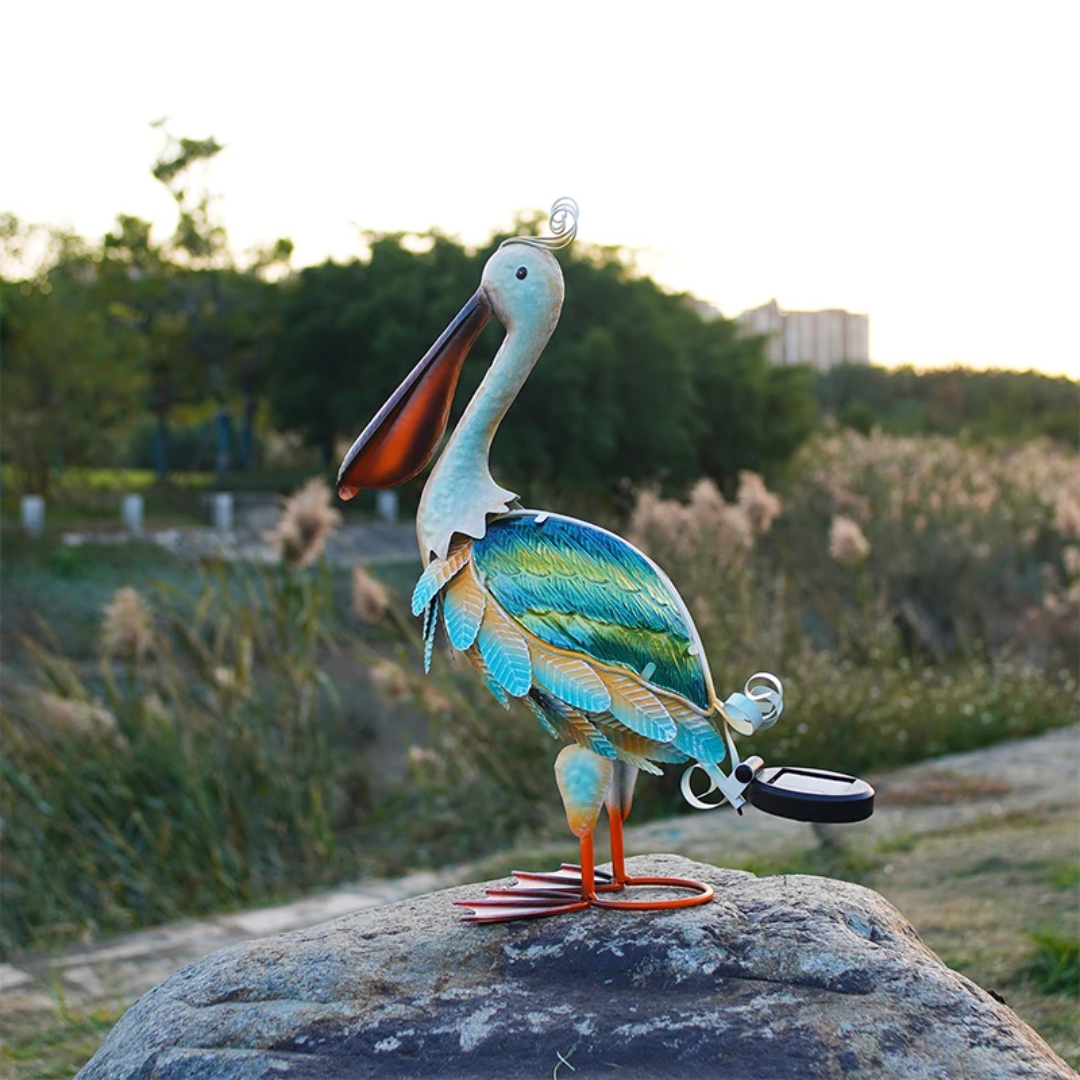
(820, 338)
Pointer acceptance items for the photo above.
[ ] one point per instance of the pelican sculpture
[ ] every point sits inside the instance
(563, 616)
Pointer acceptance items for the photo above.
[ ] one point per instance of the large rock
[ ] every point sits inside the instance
(778, 977)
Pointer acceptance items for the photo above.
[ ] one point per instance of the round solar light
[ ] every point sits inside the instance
(811, 795)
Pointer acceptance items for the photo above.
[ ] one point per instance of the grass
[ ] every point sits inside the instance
(69, 587)
(111, 841)
(1055, 967)
(1061, 873)
(826, 860)
(973, 894)
(111, 479)
(53, 1047)
(233, 770)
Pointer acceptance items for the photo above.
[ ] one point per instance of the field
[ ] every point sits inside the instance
(187, 737)
(996, 896)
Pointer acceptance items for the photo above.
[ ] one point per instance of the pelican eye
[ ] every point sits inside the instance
(522, 273)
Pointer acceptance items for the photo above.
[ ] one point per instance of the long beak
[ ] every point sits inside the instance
(405, 434)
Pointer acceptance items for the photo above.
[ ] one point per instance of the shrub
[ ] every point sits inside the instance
(196, 770)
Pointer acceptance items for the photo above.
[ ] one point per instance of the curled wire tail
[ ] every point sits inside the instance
(563, 224)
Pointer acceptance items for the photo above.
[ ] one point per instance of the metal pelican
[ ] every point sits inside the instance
(561, 615)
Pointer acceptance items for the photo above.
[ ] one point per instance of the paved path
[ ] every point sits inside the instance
(1037, 774)
(1042, 772)
(372, 542)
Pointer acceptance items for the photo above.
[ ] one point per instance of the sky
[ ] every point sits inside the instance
(916, 162)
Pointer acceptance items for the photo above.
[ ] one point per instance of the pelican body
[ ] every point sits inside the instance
(567, 618)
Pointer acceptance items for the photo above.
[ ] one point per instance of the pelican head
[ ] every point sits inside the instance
(522, 286)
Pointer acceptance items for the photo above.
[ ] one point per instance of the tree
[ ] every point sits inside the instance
(198, 237)
(72, 377)
(144, 290)
(947, 401)
(211, 323)
(634, 384)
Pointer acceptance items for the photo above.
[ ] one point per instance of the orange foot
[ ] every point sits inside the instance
(534, 895)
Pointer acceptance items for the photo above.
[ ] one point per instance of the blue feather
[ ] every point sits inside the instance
(698, 739)
(579, 588)
(463, 611)
(436, 575)
(543, 721)
(574, 726)
(505, 653)
(431, 623)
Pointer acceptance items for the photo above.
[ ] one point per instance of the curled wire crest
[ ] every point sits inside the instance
(563, 224)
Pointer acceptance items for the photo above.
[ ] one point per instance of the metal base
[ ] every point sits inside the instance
(535, 895)
(704, 893)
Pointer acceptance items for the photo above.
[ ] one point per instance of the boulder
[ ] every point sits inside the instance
(799, 977)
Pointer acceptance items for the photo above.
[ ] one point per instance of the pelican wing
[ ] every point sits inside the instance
(584, 590)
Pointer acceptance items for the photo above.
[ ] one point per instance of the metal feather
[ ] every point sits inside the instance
(437, 574)
(505, 652)
(585, 591)
(574, 725)
(478, 662)
(463, 609)
(697, 737)
(640, 709)
(431, 624)
(630, 747)
(570, 680)
(541, 717)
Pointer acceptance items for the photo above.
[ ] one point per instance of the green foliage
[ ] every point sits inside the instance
(198, 237)
(98, 335)
(634, 385)
(987, 404)
(1055, 967)
(71, 374)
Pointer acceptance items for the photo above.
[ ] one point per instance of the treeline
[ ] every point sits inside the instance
(116, 353)
(634, 384)
(950, 401)
(131, 350)
(176, 353)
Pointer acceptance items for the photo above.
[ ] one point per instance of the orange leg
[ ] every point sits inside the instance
(702, 893)
(588, 868)
(618, 855)
(587, 783)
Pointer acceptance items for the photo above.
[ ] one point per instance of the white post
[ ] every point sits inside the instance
(131, 512)
(33, 514)
(221, 510)
(386, 505)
